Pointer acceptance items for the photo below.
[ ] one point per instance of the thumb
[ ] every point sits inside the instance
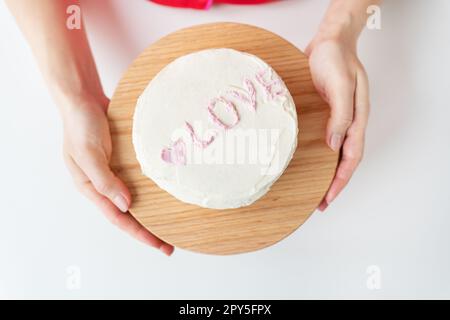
(341, 117)
(96, 168)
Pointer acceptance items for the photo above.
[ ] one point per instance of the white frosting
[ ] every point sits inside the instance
(241, 163)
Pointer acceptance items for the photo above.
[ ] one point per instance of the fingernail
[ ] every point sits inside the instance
(121, 203)
(335, 141)
(166, 249)
(323, 205)
(330, 198)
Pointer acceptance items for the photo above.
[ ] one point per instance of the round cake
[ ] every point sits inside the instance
(215, 128)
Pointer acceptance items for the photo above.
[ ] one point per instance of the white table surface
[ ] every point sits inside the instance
(394, 215)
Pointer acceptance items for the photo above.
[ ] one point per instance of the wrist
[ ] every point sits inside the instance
(340, 31)
(73, 103)
(341, 24)
(75, 98)
(74, 84)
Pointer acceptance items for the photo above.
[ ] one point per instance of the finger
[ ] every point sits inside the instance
(341, 116)
(323, 205)
(354, 143)
(343, 174)
(362, 103)
(126, 222)
(78, 176)
(96, 167)
(167, 249)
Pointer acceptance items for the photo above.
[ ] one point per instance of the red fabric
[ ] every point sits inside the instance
(204, 4)
(196, 4)
(243, 1)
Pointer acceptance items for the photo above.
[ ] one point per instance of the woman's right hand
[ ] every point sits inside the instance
(68, 66)
(87, 151)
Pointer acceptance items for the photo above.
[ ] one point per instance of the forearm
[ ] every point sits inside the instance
(344, 20)
(63, 55)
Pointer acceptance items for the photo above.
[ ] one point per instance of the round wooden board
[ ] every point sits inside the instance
(291, 199)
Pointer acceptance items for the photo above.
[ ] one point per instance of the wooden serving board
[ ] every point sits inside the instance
(291, 199)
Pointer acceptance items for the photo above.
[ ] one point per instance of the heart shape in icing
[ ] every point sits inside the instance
(175, 154)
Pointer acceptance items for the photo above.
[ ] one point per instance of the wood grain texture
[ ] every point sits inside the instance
(292, 198)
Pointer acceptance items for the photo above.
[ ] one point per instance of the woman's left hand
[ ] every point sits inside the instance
(341, 80)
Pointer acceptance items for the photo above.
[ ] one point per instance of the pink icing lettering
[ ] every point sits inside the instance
(176, 153)
(251, 92)
(199, 142)
(250, 95)
(230, 107)
(273, 87)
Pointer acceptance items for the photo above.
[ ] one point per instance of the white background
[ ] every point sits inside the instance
(395, 214)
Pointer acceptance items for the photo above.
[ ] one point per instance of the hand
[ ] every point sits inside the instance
(87, 151)
(342, 82)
